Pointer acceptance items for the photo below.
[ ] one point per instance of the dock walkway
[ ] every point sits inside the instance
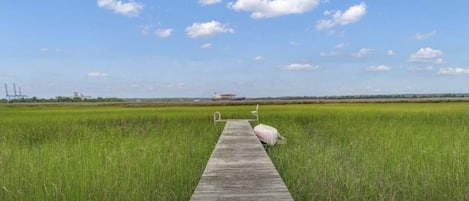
(240, 169)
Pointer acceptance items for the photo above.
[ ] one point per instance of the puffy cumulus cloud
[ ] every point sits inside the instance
(206, 45)
(453, 71)
(131, 8)
(424, 36)
(209, 2)
(97, 74)
(362, 53)
(391, 52)
(207, 29)
(427, 55)
(304, 67)
(325, 24)
(273, 8)
(351, 15)
(380, 68)
(163, 33)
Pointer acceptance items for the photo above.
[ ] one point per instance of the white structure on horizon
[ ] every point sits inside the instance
(217, 97)
(81, 96)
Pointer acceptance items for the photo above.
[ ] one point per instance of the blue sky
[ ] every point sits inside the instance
(253, 48)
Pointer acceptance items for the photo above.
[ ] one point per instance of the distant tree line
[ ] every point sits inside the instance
(387, 96)
(60, 99)
(63, 99)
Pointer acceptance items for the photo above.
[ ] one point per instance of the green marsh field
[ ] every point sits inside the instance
(337, 151)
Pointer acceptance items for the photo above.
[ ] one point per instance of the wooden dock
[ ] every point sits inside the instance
(240, 169)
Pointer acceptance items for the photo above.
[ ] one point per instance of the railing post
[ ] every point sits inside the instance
(256, 113)
(216, 117)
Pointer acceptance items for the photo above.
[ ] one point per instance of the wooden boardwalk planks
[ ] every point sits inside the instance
(240, 169)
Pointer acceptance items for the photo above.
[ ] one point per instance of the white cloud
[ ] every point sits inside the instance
(145, 29)
(46, 49)
(206, 45)
(351, 15)
(380, 68)
(130, 8)
(415, 68)
(273, 8)
(294, 43)
(391, 52)
(424, 36)
(325, 24)
(179, 85)
(207, 29)
(163, 33)
(259, 58)
(453, 71)
(362, 53)
(209, 2)
(426, 55)
(439, 61)
(329, 54)
(332, 32)
(97, 74)
(306, 67)
(340, 46)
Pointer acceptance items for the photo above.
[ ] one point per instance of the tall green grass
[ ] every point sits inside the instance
(373, 151)
(103, 153)
(395, 151)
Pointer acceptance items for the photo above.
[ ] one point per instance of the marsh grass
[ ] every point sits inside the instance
(373, 151)
(110, 153)
(394, 151)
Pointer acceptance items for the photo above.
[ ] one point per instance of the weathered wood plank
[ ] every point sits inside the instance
(240, 169)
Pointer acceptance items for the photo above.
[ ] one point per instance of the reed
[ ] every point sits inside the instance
(346, 151)
(373, 151)
(103, 153)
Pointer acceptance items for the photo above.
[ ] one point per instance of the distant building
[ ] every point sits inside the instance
(79, 95)
(218, 97)
(83, 97)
